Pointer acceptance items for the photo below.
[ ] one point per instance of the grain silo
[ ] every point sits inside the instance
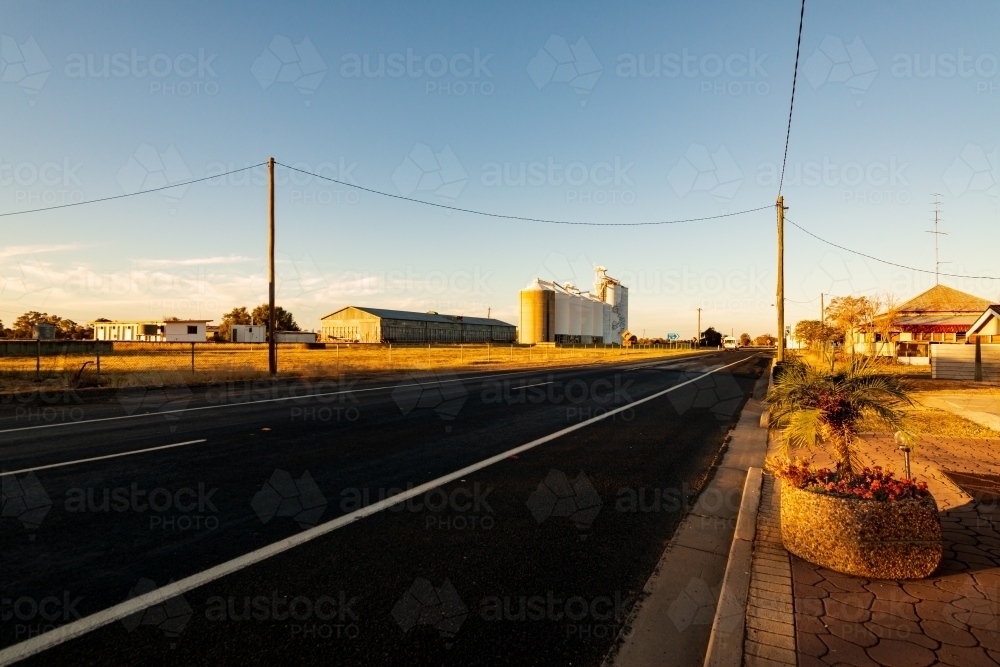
(574, 326)
(554, 313)
(612, 292)
(596, 319)
(562, 308)
(586, 319)
(538, 313)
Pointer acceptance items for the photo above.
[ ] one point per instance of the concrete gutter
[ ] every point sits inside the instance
(725, 646)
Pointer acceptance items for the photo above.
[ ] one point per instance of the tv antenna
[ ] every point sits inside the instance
(937, 234)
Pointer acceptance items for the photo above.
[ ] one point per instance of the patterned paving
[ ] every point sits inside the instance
(951, 618)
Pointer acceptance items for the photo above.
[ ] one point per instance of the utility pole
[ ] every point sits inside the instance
(698, 333)
(937, 234)
(781, 278)
(272, 350)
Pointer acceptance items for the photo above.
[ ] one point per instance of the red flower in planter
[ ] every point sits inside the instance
(872, 483)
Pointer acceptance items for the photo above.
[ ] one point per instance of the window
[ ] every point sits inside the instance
(192, 328)
(148, 329)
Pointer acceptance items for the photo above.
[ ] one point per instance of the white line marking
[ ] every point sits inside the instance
(472, 378)
(87, 624)
(525, 386)
(100, 458)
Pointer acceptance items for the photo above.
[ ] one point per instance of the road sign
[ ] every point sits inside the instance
(673, 336)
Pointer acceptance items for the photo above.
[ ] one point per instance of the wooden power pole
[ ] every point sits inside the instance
(781, 278)
(272, 350)
(698, 336)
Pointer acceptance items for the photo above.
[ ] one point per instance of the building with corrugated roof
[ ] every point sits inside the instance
(942, 314)
(381, 325)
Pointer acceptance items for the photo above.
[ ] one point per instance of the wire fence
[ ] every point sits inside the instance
(124, 364)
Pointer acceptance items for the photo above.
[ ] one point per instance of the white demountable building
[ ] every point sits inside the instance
(247, 333)
(170, 331)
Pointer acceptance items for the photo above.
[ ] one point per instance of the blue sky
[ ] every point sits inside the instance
(612, 112)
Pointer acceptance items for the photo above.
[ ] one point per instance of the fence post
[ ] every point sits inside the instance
(338, 358)
(98, 365)
(512, 352)
(487, 351)
(979, 359)
(38, 360)
(390, 356)
(192, 356)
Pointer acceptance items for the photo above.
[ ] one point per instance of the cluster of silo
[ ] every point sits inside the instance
(611, 291)
(561, 313)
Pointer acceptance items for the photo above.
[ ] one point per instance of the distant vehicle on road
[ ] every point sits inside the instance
(730, 343)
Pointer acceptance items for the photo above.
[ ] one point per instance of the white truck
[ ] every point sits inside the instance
(730, 343)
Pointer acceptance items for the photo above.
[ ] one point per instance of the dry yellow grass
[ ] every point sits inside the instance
(927, 421)
(141, 364)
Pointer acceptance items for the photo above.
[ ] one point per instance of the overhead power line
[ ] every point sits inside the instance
(884, 261)
(518, 217)
(791, 105)
(132, 194)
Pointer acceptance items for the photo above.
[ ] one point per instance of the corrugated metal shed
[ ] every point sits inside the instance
(384, 325)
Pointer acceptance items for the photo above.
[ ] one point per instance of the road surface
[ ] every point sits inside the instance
(233, 492)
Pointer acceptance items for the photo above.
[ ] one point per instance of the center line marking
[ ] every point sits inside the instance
(101, 458)
(525, 386)
(82, 626)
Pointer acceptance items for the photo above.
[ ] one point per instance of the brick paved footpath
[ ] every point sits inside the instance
(799, 613)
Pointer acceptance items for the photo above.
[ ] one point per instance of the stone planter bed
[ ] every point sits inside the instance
(875, 539)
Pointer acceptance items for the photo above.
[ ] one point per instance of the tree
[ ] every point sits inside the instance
(745, 340)
(283, 320)
(711, 338)
(809, 405)
(848, 313)
(235, 316)
(884, 324)
(65, 328)
(809, 332)
(765, 340)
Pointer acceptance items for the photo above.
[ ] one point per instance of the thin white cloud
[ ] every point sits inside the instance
(200, 261)
(18, 250)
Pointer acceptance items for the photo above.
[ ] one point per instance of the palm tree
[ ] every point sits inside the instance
(809, 405)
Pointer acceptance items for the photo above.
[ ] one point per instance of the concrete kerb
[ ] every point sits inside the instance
(725, 645)
(766, 415)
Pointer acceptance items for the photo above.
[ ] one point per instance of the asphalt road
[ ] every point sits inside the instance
(534, 559)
